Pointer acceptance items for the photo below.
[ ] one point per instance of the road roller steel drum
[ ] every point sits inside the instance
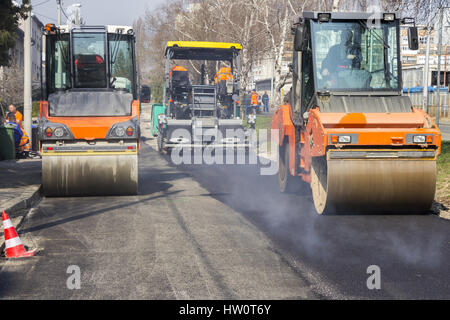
(80, 170)
(374, 181)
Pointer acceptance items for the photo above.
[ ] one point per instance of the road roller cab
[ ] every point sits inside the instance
(89, 116)
(346, 128)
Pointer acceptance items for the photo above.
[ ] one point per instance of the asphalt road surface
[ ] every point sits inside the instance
(334, 252)
(221, 232)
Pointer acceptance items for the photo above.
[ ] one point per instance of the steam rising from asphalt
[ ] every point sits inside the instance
(340, 244)
(327, 240)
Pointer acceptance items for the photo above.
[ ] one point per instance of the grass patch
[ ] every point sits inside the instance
(264, 122)
(443, 175)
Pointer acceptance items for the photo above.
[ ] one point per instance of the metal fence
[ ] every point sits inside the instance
(416, 100)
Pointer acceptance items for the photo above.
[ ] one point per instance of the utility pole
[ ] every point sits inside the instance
(427, 62)
(441, 26)
(445, 67)
(27, 113)
(58, 8)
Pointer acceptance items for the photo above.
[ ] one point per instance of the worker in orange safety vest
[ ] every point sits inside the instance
(254, 101)
(224, 73)
(24, 144)
(19, 117)
(21, 138)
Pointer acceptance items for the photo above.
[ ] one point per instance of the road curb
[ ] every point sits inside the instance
(23, 203)
(19, 211)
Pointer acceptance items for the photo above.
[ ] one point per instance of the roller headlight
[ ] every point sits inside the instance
(59, 132)
(419, 139)
(389, 17)
(345, 139)
(124, 130)
(324, 17)
(119, 131)
(53, 131)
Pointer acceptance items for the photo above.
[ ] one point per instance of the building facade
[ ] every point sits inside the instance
(36, 48)
(17, 53)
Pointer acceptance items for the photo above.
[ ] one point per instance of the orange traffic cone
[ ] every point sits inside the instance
(13, 245)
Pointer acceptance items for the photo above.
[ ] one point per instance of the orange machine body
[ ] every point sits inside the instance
(372, 130)
(89, 128)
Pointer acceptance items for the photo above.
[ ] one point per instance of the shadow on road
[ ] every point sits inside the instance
(340, 247)
(95, 212)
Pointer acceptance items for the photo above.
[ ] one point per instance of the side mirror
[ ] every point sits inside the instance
(413, 39)
(299, 38)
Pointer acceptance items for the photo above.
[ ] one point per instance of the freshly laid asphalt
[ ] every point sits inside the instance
(334, 252)
(222, 232)
(172, 241)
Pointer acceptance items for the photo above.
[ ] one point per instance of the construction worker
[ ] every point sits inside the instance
(246, 102)
(254, 101)
(342, 56)
(220, 80)
(224, 73)
(265, 101)
(24, 144)
(21, 139)
(19, 117)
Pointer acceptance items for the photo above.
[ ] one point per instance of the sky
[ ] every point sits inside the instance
(97, 12)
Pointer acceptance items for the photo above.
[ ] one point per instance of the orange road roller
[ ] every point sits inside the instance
(89, 116)
(345, 128)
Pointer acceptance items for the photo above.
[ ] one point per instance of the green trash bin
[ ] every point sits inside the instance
(157, 109)
(238, 111)
(7, 147)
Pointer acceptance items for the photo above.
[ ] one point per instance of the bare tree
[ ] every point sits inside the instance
(226, 21)
(275, 17)
(158, 28)
(261, 26)
(11, 85)
(142, 50)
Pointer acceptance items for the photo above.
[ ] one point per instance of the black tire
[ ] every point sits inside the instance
(319, 184)
(287, 182)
